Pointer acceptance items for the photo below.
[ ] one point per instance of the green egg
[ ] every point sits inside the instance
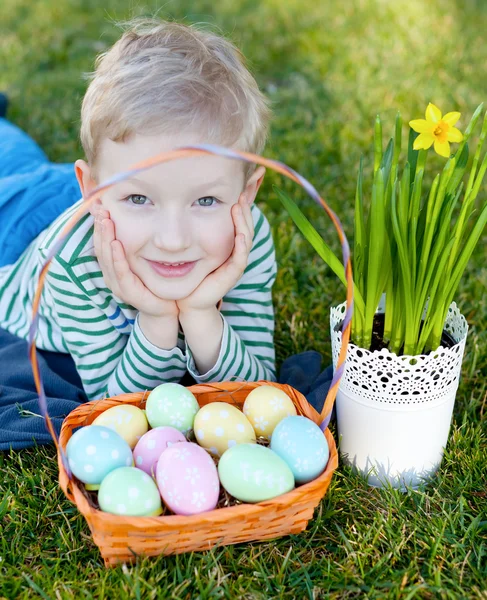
(254, 473)
(129, 491)
(173, 405)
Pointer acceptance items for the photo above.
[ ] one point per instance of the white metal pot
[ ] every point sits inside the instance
(394, 412)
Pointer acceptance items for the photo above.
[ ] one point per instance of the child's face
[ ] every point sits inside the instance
(177, 212)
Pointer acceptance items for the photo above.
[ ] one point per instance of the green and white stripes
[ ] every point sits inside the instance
(79, 315)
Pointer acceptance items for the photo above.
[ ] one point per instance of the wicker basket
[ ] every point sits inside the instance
(122, 539)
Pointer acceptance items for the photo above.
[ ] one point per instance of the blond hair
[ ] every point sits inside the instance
(165, 77)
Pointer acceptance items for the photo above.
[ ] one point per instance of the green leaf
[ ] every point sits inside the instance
(405, 274)
(360, 242)
(386, 162)
(433, 301)
(377, 143)
(467, 250)
(375, 255)
(461, 160)
(434, 207)
(397, 139)
(314, 238)
(412, 154)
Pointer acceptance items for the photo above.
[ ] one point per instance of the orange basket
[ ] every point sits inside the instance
(122, 539)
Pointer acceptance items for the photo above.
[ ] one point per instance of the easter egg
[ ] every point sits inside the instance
(173, 405)
(301, 443)
(265, 406)
(94, 451)
(131, 492)
(187, 479)
(253, 473)
(218, 426)
(128, 421)
(152, 444)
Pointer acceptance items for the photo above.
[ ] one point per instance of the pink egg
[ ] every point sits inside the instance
(188, 479)
(152, 444)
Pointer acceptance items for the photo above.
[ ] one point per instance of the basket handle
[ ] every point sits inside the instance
(66, 481)
(163, 157)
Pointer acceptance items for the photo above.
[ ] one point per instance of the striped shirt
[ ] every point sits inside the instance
(79, 315)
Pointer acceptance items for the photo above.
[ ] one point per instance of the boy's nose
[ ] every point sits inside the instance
(171, 234)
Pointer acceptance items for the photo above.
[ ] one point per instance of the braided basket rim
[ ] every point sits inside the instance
(315, 489)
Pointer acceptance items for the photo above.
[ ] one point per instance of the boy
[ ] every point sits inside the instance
(171, 271)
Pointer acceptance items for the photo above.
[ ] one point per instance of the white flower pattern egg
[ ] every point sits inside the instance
(218, 426)
(152, 444)
(187, 479)
(253, 473)
(171, 405)
(130, 492)
(265, 407)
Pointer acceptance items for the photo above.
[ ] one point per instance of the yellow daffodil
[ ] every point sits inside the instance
(436, 130)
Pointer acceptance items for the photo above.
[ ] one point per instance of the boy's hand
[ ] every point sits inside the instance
(119, 277)
(218, 283)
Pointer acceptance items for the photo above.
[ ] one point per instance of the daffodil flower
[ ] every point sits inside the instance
(436, 130)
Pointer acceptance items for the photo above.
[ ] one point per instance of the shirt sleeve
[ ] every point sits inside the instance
(247, 349)
(109, 362)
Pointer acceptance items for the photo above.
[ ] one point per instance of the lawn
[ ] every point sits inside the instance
(328, 69)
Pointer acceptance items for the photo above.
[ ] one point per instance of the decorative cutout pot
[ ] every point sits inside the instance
(394, 412)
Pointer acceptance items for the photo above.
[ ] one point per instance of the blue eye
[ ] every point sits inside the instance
(135, 199)
(207, 201)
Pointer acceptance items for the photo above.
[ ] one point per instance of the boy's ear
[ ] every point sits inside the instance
(86, 183)
(253, 184)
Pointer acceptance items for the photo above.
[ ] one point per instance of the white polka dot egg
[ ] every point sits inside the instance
(128, 421)
(94, 451)
(218, 426)
(302, 445)
(265, 407)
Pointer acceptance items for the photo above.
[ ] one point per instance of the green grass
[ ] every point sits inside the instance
(328, 70)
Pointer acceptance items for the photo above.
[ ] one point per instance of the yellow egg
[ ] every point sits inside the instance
(218, 426)
(265, 407)
(128, 421)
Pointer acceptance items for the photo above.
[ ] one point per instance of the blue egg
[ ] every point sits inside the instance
(93, 451)
(302, 445)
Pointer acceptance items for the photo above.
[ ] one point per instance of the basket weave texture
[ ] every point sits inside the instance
(122, 539)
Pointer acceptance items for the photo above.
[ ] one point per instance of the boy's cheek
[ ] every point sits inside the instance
(225, 246)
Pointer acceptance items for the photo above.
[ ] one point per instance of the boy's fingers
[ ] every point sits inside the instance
(243, 228)
(100, 214)
(105, 243)
(106, 251)
(96, 238)
(242, 252)
(120, 265)
(131, 289)
(236, 264)
(115, 268)
(247, 213)
(128, 283)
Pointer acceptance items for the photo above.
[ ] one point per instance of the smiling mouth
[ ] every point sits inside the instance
(179, 269)
(172, 264)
